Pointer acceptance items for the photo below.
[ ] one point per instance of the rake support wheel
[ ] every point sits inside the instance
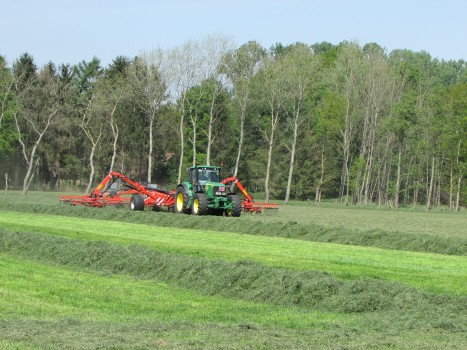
(137, 202)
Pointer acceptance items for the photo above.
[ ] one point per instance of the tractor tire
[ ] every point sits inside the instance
(137, 202)
(180, 200)
(236, 208)
(200, 204)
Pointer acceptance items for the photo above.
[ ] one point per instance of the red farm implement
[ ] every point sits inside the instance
(106, 193)
(248, 205)
(116, 189)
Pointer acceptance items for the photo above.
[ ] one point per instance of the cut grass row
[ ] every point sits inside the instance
(240, 279)
(58, 307)
(291, 222)
(81, 283)
(435, 273)
(178, 319)
(30, 288)
(100, 295)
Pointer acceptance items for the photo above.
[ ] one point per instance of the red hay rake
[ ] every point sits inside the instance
(248, 205)
(104, 195)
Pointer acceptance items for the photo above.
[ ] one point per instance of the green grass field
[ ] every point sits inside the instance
(305, 277)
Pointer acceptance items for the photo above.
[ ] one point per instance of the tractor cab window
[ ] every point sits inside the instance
(208, 175)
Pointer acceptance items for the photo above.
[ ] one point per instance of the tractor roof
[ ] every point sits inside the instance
(205, 167)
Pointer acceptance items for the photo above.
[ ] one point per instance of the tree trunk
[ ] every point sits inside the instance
(274, 121)
(150, 155)
(193, 140)
(347, 191)
(292, 159)
(398, 180)
(438, 182)
(451, 189)
(31, 158)
(321, 179)
(461, 175)
(210, 126)
(6, 183)
(182, 148)
(91, 163)
(430, 191)
(122, 167)
(240, 143)
(345, 174)
(114, 146)
(458, 194)
(242, 132)
(407, 178)
(29, 173)
(346, 138)
(268, 167)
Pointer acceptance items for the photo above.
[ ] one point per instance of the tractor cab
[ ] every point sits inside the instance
(199, 176)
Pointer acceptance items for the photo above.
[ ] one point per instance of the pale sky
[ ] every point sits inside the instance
(72, 31)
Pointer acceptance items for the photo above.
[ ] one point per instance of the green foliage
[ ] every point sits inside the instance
(8, 134)
(355, 102)
(86, 74)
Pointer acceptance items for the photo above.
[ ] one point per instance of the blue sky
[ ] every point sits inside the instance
(70, 31)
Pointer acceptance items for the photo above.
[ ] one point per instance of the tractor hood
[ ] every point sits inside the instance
(214, 189)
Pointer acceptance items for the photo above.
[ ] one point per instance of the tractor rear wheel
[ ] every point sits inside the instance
(200, 204)
(137, 202)
(236, 208)
(181, 200)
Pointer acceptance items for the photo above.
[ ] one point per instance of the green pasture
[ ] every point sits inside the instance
(432, 272)
(305, 277)
(409, 229)
(31, 288)
(52, 307)
(329, 214)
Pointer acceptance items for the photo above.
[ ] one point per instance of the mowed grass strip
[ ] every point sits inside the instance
(431, 272)
(433, 232)
(55, 307)
(31, 289)
(238, 280)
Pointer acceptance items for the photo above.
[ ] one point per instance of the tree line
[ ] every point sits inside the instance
(305, 122)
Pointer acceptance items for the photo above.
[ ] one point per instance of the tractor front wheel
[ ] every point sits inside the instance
(181, 201)
(236, 208)
(200, 204)
(137, 202)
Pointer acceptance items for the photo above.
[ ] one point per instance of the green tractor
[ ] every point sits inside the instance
(204, 194)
